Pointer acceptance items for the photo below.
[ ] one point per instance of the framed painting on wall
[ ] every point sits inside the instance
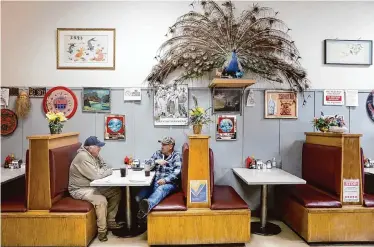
(86, 48)
(96, 100)
(281, 104)
(349, 52)
(170, 105)
(227, 100)
(115, 127)
(226, 128)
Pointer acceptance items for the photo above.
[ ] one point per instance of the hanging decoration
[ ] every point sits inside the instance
(60, 99)
(256, 43)
(370, 105)
(9, 122)
(4, 97)
(23, 104)
(37, 92)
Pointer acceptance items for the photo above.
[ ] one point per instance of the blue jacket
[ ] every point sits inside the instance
(171, 171)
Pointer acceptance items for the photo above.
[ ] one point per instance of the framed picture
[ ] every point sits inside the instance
(226, 128)
(349, 52)
(281, 104)
(86, 48)
(170, 105)
(132, 94)
(227, 100)
(115, 127)
(96, 100)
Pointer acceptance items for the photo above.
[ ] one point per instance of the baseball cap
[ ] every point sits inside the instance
(93, 141)
(167, 140)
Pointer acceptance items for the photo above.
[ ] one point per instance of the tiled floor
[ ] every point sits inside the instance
(287, 238)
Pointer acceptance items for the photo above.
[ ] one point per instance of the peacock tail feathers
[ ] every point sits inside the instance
(202, 42)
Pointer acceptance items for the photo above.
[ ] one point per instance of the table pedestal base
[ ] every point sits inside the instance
(129, 233)
(268, 230)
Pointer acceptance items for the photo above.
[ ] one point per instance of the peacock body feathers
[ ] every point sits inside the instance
(256, 43)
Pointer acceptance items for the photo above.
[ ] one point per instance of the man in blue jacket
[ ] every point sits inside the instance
(168, 164)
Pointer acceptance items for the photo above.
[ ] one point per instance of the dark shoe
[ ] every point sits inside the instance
(102, 236)
(143, 209)
(112, 225)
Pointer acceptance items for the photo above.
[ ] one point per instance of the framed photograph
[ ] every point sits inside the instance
(226, 128)
(115, 127)
(96, 99)
(227, 100)
(281, 104)
(86, 48)
(132, 94)
(349, 52)
(170, 105)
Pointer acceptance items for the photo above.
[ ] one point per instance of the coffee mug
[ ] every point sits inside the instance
(123, 172)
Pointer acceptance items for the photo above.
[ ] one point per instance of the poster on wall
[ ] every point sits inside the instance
(281, 104)
(96, 99)
(86, 48)
(4, 97)
(333, 97)
(370, 105)
(226, 128)
(351, 190)
(115, 127)
(251, 98)
(132, 94)
(170, 105)
(198, 191)
(60, 99)
(351, 97)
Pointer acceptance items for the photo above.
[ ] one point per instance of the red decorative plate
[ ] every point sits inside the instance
(9, 122)
(61, 99)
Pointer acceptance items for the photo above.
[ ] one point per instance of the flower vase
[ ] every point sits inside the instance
(197, 129)
(324, 129)
(55, 129)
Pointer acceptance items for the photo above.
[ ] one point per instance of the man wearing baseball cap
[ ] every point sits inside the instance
(168, 164)
(86, 167)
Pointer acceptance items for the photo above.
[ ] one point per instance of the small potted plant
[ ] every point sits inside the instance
(55, 120)
(322, 123)
(337, 125)
(198, 117)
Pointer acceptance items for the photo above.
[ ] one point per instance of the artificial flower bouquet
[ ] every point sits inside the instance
(55, 120)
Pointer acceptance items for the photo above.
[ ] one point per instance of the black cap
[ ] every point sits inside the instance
(93, 141)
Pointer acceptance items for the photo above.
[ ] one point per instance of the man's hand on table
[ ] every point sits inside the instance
(161, 162)
(161, 181)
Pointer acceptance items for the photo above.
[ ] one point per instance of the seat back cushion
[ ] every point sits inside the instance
(59, 164)
(317, 158)
(184, 171)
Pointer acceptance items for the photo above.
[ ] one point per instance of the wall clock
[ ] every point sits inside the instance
(9, 122)
(370, 105)
(60, 99)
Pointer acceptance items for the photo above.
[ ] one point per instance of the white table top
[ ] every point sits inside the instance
(10, 174)
(267, 176)
(369, 170)
(134, 178)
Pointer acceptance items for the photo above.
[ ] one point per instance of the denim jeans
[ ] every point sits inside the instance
(155, 193)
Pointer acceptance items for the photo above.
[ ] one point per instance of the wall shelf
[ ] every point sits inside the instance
(231, 83)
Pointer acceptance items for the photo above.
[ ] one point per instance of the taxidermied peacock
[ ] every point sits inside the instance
(257, 43)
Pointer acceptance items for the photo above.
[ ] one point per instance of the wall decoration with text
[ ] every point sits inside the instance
(60, 99)
(86, 48)
(132, 94)
(96, 99)
(226, 128)
(115, 127)
(349, 52)
(333, 97)
(370, 105)
(170, 105)
(227, 100)
(281, 104)
(37, 92)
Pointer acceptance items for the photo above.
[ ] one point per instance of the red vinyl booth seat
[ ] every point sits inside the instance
(71, 205)
(368, 200)
(174, 202)
(226, 198)
(310, 197)
(16, 204)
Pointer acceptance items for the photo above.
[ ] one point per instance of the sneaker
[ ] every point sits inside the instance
(112, 225)
(102, 236)
(143, 209)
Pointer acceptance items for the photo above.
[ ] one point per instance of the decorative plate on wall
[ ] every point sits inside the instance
(60, 99)
(9, 122)
(370, 105)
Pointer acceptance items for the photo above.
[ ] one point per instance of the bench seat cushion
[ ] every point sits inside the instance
(226, 198)
(16, 204)
(310, 197)
(71, 205)
(368, 200)
(173, 202)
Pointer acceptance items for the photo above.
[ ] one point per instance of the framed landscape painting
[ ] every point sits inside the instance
(86, 48)
(227, 100)
(96, 100)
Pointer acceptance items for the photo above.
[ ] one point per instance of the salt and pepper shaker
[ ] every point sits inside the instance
(274, 163)
(268, 164)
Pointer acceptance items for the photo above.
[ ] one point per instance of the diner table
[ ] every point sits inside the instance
(133, 178)
(8, 174)
(265, 177)
(369, 170)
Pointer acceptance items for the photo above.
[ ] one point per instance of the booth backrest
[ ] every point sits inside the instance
(185, 152)
(318, 158)
(59, 164)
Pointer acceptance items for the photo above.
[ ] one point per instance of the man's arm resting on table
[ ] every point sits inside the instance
(92, 172)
